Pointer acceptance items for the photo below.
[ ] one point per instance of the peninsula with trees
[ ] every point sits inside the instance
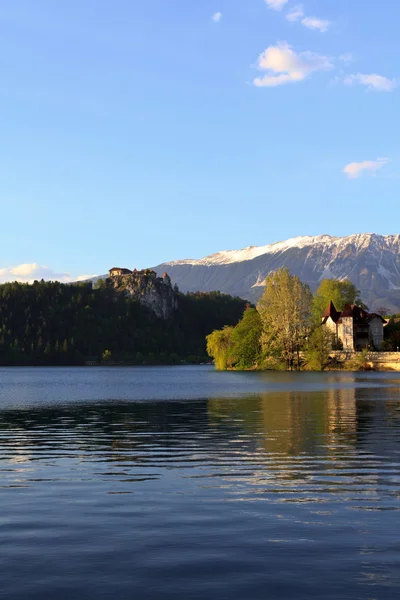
(293, 329)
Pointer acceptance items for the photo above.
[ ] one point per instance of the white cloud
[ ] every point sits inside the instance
(276, 4)
(216, 17)
(284, 65)
(28, 272)
(373, 82)
(356, 169)
(347, 57)
(83, 277)
(315, 23)
(295, 13)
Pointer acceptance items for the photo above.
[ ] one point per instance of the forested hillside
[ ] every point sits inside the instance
(53, 323)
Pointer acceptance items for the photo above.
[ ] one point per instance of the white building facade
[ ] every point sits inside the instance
(354, 328)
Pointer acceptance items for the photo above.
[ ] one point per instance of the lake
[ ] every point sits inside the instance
(181, 482)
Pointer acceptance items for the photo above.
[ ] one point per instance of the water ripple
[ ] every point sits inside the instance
(280, 493)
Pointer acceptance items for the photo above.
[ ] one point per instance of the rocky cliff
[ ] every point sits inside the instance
(156, 293)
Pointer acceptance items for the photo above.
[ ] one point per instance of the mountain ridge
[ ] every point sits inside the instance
(371, 261)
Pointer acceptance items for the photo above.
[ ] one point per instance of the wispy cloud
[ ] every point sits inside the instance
(372, 82)
(283, 65)
(28, 272)
(315, 23)
(276, 4)
(356, 169)
(83, 277)
(216, 17)
(296, 13)
(347, 57)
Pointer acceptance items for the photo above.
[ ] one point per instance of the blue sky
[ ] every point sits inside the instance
(138, 132)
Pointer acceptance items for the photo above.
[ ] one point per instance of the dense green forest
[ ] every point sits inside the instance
(59, 324)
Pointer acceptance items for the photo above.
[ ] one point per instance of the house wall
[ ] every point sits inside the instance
(376, 332)
(119, 272)
(346, 333)
(362, 336)
(331, 325)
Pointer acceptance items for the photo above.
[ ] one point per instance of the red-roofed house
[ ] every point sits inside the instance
(354, 327)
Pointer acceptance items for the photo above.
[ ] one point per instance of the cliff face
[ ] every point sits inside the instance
(156, 293)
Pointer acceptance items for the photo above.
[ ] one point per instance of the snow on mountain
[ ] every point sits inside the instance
(227, 257)
(371, 261)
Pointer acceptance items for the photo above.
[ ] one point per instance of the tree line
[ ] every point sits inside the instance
(284, 331)
(50, 323)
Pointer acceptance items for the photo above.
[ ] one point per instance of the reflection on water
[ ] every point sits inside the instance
(269, 494)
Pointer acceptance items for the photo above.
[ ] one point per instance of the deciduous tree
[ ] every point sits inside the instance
(219, 347)
(340, 292)
(319, 348)
(285, 309)
(246, 340)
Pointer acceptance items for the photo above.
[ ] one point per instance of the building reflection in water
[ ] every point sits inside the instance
(330, 442)
(273, 437)
(293, 423)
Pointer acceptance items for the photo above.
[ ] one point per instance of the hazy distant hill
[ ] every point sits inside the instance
(370, 261)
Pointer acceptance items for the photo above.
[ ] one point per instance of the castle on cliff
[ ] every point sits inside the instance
(156, 293)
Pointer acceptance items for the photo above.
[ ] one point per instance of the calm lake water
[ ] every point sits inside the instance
(166, 483)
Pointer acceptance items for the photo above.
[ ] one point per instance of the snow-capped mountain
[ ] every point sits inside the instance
(370, 261)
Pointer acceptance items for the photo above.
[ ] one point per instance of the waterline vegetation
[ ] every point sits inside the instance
(285, 330)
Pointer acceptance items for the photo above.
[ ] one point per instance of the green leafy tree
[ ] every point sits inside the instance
(106, 356)
(360, 361)
(219, 347)
(246, 340)
(339, 292)
(392, 334)
(317, 354)
(151, 358)
(39, 346)
(285, 310)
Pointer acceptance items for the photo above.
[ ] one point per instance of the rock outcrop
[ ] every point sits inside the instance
(156, 293)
